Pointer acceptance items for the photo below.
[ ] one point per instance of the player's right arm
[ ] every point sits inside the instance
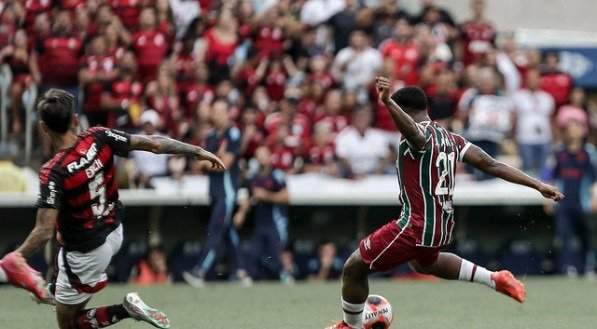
(165, 145)
(477, 158)
(405, 124)
(41, 233)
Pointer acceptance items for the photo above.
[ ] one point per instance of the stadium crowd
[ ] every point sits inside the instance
(297, 76)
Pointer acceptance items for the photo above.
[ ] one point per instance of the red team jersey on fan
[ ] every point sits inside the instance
(79, 182)
(426, 180)
(478, 40)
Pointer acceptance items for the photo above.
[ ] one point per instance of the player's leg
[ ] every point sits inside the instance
(355, 289)
(584, 231)
(234, 244)
(215, 233)
(451, 267)
(383, 250)
(15, 270)
(563, 240)
(77, 317)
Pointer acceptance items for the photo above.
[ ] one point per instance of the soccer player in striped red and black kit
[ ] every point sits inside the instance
(426, 169)
(79, 198)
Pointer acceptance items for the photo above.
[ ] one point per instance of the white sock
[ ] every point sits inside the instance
(3, 277)
(353, 314)
(473, 273)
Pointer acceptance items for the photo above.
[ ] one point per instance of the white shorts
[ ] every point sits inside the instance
(81, 274)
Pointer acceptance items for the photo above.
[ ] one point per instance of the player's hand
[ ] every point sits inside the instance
(260, 194)
(550, 192)
(216, 163)
(383, 88)
(239, 219)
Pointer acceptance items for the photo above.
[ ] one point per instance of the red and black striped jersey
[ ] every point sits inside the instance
(426, 179)
(79, 182)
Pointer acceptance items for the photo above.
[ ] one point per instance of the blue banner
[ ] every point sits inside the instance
(580, 63)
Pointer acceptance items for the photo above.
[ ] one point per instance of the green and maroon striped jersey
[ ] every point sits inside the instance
(426, 180)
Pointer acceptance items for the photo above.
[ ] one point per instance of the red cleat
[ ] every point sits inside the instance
(339, 325)
(508, 285)
(21, 275)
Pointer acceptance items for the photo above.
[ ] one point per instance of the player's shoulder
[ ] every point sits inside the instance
(52, 167)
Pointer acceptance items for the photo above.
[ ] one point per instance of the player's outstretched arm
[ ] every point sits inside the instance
(405, 124)
(477, 158)
(41, 233)
(161, 144)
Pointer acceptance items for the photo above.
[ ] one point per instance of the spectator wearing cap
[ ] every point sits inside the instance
(361, 149)
(355, 66)
(534, 109)
(12, 178)
(148, 165)
(574, 110)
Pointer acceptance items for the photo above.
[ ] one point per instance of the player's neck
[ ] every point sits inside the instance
(64, 141)
(420, 117)
(574, 145)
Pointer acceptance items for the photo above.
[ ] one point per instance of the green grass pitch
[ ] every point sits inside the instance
(556, 303)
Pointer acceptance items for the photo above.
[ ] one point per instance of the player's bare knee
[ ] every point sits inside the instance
(354, 267)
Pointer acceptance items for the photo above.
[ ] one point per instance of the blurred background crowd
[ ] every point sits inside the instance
(297, 77)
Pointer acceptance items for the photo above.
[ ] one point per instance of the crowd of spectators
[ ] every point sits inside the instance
(298, 76)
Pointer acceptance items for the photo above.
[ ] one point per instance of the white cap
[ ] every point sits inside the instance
(150, 116)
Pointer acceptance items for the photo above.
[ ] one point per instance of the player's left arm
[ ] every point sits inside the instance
(405, 124)
(41, 233)
(263, 195)
(165, 145)
(477, 158)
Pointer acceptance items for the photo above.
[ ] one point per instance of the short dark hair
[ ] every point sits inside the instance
(56, 108)
(411, 98)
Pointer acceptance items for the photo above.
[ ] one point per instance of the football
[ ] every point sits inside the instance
(378, 313)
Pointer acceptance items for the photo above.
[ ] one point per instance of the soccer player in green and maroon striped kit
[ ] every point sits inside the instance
(426, 167)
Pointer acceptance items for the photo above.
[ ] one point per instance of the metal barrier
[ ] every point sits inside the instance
(29, 100)
(5, 82)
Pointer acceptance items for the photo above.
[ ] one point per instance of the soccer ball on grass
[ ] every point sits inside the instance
(378, 313)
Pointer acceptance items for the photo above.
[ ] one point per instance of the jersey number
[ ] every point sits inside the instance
(445, 164)
(97, 190)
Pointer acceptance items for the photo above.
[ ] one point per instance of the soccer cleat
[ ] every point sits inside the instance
(21, 275)
(50, 289)
(339, 325)
(139, 311)
(508, 285)
(193, 281)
